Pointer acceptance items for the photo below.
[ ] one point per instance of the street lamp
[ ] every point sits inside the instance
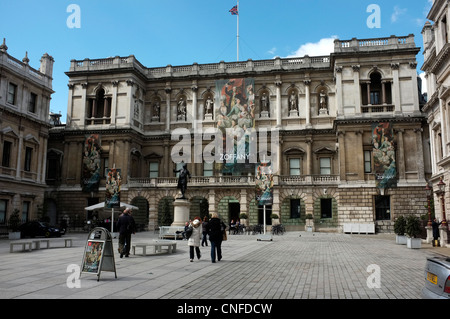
(429, 191)
(441, 191)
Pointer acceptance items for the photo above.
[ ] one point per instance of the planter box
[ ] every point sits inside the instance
(401, 240)
(414, 243)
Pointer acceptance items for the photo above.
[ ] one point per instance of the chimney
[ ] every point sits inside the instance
(47, 65)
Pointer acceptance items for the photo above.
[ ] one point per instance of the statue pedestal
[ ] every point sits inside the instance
(264, 114)
(181, 208)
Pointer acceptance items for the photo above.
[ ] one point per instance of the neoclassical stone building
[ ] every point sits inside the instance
(25, 95)
(437, 69)
(345, 130)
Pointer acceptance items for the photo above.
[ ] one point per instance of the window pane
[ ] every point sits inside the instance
(367, 161)
(294, 166)
(154, 170)
(208, 169)
(6, 153)
(325, 166)
(32, 105)
(11, 98)
(28, 153)
(3, 206)
(25, 210)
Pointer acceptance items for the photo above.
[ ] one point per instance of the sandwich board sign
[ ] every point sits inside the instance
(98, 253)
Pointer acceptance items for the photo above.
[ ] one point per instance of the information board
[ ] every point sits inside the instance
(98, 254)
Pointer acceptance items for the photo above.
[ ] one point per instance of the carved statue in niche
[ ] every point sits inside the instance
(323, 102)
(209, 105)
(293, 101)
(181, 109)
(265, 104)
(156, 109)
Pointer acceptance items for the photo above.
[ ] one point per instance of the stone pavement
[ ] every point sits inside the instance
(296, 265)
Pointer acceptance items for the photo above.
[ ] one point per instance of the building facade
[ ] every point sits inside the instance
(25, 95)
(345, 130)
(437, 71)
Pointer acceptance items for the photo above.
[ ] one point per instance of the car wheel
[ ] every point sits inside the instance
(47, 234)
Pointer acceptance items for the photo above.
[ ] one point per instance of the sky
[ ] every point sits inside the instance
(183, 32)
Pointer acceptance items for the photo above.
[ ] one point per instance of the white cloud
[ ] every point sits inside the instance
(272, 51)
(322, 47)
(397, 13)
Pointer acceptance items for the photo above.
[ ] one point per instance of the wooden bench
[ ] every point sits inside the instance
(22, 243)
(157, 246)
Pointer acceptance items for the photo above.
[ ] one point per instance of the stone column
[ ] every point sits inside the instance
(357, 88)
(342, 159)
(278, 84)
(444, 127)
(339, 93)
(194, 89)
(396, 89)
(420, 159)
(168, 110)
(19, 155)
(401, 155)
(308, 102)
(114, 102)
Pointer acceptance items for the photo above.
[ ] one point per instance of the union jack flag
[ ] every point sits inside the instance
(234, 10)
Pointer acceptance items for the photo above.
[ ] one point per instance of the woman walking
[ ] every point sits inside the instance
(215, 231)
(194, 239)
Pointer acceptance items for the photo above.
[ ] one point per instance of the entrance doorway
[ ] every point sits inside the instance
(261, 214)
(234, 210)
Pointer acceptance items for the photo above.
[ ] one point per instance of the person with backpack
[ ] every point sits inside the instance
(126, 226)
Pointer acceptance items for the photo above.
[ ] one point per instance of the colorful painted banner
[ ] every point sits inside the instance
(234, 112)
(384, 155)
(113, 182)
(264, 184)
(91, 163)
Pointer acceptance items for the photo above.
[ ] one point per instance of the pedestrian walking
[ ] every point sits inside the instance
(205, 231)
(216, 228)
(435, 226)
(194, 239)
(126, 226)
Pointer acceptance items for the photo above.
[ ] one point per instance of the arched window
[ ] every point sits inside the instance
(376, 91)
(99, 109)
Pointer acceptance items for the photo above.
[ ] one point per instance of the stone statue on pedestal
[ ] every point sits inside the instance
(182, 180)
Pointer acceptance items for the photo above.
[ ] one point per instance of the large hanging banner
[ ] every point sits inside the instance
(91, 163)
(264, 184)
(113, 182)
(384, 155)
(234, 111)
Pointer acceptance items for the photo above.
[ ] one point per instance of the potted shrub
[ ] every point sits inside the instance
(399, 230)
(275, 219)
(244, 219)
(413, 231)
(309, 222)
(14, 223)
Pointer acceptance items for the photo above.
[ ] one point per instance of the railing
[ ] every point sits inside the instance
(377, 108)
(220, 181)
(372, 44)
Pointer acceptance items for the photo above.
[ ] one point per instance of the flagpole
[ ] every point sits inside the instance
(238, 30)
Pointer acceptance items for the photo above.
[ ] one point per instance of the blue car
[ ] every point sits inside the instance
(38, 229)
(437, 278)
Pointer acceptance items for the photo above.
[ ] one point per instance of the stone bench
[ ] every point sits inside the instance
(157, 246)
(21, 243)
(67, 241)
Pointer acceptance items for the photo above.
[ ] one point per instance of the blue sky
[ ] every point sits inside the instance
(181, 32)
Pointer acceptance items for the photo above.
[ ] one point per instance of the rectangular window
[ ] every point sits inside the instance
(294, 166)
(32, 103)
(382, 207)
(154, 170)
(295, 208)
(375, 98)
(367, 161)
(6, 156)
(105, 164)
(11, 97)
(27, 164)
(3, 208)
(25, 211)
(325, 166)
(208, 169)
(326, 208)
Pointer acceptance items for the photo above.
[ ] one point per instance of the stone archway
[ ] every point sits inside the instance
(165, 211)
(199, 207)
(227, 211)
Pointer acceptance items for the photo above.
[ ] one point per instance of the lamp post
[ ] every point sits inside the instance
(429, 191)
(441, 191)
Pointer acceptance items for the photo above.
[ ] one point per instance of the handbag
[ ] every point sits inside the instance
(224, 235)
(188, 232)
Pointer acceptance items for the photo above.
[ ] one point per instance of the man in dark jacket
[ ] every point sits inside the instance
(436, 234)
(215, 229)
(126, 226)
